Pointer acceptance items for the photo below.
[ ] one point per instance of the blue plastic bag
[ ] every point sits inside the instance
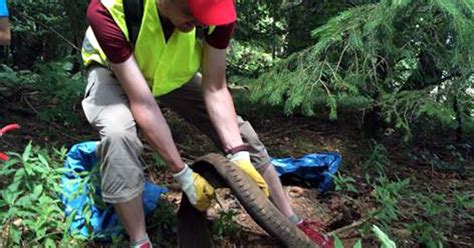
(317, 168)
(81, 195)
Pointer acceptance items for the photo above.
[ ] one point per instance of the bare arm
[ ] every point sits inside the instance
(146, 112)
(4, 31)
(219, 103)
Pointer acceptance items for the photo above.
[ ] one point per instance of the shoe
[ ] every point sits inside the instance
(312, 230)
(144, 245)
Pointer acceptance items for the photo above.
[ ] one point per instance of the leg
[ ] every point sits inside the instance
(106, 108)
(188, 103)
(277, 194)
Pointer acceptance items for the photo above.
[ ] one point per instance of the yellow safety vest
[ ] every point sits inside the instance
(165, 65)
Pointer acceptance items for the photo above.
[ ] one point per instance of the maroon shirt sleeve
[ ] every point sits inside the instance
(108, 34)
(221, 36)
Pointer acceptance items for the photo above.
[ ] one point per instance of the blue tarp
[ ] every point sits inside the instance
(317, 168)
(81, 194)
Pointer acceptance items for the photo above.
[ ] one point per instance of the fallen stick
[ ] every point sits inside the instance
(348, 227)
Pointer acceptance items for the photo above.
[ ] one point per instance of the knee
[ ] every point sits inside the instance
(120, 140)
(264, 167)
(121, 166)
(248, 133)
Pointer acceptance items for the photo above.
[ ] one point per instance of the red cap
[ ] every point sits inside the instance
(213, 12)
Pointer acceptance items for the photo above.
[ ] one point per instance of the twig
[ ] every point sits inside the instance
(348, 227)
(457, 242)
(238, 87)
(249, 230)
(221, 202)
(342, 55)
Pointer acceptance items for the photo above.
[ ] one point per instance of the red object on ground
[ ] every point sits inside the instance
(3, 131)
(3, 156)
(8, 128)
(311, 228)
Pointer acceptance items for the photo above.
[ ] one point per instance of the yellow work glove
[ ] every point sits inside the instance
(200, 193)
(242, 160)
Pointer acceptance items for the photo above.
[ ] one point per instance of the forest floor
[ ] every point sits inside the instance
(440, 173)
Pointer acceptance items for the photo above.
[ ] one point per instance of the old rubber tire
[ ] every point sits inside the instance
(220, 172)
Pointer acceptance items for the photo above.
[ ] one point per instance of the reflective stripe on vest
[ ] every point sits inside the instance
(166, 65)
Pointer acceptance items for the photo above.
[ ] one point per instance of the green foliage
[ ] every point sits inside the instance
(118, 241)
(458, 163)
(45, 30)
(261, 23)
(158, 162)
(464, 201)
(383, 238)
(338, 243)
(87, 182)
(31, 212)
(385, 241)
(436, 216)
(248, 60)
(378, 160)
(60, 88)
(343, 183)
(387, 194)
(164, 224)
(224, 226)
(411, 59)
(454, 159)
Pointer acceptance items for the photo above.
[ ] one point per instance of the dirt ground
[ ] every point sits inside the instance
(342, 213)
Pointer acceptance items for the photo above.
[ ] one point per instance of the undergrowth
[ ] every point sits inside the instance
(429, 217)
(31, 211)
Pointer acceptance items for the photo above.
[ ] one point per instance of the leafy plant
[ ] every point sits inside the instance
(60, 87)
(383, 238)
(158, 162)
(344, 183)
(436, 215)
(118, 241)
(387, 194)
(164, 224)
(248, 60)
(385, 241)
(452, 158)
(378, 160)
(31, 212)
(45, 31)
(464, 200)
(224, 226)
(338, 243)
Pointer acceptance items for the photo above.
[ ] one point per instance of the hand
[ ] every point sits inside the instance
(242, 160)
(199, 191)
